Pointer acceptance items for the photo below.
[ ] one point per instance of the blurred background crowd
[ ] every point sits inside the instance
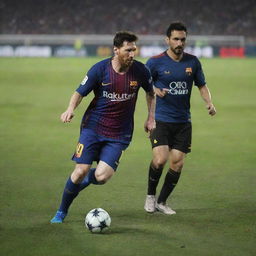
(231, 17)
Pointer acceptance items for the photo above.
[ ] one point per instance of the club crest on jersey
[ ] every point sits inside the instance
(189, 71)
(133, 84)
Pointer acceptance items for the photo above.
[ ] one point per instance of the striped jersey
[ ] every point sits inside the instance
(111, 112)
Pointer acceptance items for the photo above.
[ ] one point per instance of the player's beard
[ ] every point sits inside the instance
(178, 50)
(125, 63)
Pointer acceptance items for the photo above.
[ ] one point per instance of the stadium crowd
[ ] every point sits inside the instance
(232, 17)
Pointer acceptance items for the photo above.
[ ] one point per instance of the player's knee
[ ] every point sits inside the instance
(177, 165)
(159, 162)
(102, 178)
(78, 174)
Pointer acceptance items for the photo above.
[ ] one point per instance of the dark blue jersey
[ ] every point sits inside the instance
(178, 78)
(111, 111)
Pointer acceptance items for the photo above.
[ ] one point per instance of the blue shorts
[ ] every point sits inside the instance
(93, 147)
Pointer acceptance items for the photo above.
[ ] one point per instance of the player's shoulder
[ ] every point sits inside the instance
(189, 56)
(102, 63)
(157, 57)
(140, 68)
(99, 67)
(139, 65)
(156, 60)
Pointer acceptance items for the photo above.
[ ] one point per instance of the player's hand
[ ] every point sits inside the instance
(149, 126)
(211, 109)
(160, 92)
(67, 116)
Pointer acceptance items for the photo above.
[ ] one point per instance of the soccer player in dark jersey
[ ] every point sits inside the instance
(107, 125)
(174, 72)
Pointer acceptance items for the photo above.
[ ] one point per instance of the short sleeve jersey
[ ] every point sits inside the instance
(111, 112)
(178, 78)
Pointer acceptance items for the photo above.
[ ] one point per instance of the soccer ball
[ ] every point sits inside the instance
(97, 220)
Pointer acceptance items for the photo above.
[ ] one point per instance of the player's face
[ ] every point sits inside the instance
(177, 41)
(126, 53)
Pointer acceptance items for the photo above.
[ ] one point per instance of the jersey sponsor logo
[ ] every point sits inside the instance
(178, 88)
(105, 84)
(189, 71)
(113, 96)
(85, 80)
(79, 150)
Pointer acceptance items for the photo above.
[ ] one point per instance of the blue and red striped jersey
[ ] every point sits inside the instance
(111, 112)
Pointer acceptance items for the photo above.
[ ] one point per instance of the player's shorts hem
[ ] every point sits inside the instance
(81, 162)
(186, 151)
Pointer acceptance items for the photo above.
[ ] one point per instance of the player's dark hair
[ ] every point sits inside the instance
(176, 26)
(122, 36)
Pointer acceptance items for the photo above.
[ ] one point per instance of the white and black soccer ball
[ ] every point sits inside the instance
(97, 220)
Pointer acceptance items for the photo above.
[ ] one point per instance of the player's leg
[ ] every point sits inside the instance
(70, 192)
(99, 177)
(86, 151)
(176, 159)
(181, 145)
(72, 186)
(160, 156)
(88, 179)
(160, 151)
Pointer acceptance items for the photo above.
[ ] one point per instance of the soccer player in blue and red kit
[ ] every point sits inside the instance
(107, 125)
(174, 72)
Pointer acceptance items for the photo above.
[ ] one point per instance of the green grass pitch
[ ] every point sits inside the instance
(214, 200)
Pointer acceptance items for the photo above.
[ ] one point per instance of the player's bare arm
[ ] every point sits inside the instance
(75, 100)
(150, 122)
(206, 95)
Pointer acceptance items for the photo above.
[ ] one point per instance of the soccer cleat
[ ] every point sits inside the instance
(164, 208)
(59, 217)
(150, 203)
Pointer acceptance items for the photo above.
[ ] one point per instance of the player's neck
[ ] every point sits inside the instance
(118, 68)
(174, 56)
